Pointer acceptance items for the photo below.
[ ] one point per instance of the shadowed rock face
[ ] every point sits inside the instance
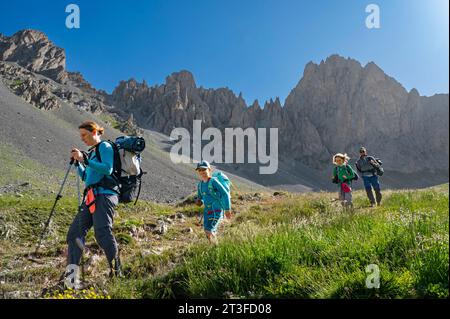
(176, 103)
(349, 105)
(35, 52)
(337, 106)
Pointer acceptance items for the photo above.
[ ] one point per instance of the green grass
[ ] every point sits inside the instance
(30, 212)
(307, 248)
(24, 210)
(293, 246)
(16, 83)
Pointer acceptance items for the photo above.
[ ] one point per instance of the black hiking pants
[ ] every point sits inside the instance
(102, 220)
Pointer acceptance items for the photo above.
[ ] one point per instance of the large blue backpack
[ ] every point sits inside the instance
(223, 180)
(126, 184)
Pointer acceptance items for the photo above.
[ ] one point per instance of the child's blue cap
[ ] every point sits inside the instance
(203, 165)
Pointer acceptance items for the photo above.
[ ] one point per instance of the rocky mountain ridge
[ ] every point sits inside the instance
(336, 106)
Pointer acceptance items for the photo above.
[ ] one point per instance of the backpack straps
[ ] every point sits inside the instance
(97, 152)
(351, 171)
(348, 169)
(105, 182)
(210, 187)
(212, 190)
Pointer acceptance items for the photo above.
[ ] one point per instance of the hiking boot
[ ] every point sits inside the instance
(115, 268)
(69, 280)
(372, 204)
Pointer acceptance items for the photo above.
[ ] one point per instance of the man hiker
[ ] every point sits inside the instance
(215, 197)
(100, 198)
(366, 165)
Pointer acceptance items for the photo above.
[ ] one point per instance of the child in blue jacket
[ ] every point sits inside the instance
(215, 197)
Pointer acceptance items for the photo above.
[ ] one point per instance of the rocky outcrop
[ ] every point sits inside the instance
(36, 91)
(176, 103)
(129, 126)
(337, 106)
(35, 52)
(45, 94)
(348, 105)
(77, 80)
(28, 53)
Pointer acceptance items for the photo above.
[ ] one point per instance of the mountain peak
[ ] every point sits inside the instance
(414, 92)
(183, 77)
(29, 36)
(336, 59)
(277, 101)
(332, 63)
(33, 50)
(255, 105)
(372, 66)
(271, 104)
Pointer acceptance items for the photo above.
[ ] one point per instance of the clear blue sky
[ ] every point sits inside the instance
(257, 47)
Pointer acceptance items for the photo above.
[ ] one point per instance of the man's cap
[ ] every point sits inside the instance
(203, 165)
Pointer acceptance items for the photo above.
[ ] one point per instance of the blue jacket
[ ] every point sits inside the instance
(218, 199)
(94, 171)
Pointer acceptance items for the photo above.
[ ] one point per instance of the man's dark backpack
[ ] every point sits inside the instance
(378, 166)
(127, 172)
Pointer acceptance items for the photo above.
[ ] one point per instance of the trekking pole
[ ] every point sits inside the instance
(78, 191)
(78, 241)
(58, 197)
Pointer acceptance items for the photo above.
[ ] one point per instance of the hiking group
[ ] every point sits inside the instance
(111, 172)
(343, 174)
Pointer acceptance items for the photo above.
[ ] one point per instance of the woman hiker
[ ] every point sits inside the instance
(98, 201)
(216, 205)
(343, 174)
